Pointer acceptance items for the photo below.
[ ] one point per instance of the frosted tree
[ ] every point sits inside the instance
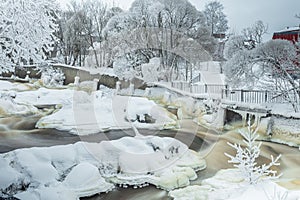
(26, 31)
(98, 14)
(235, 44)
(254, 34)
(246, 158)
(207, 41)
(271, 66)
(216, 19)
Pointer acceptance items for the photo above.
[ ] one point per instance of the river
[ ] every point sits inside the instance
(20, 132)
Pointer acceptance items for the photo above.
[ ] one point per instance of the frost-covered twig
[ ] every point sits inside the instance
(245, 158)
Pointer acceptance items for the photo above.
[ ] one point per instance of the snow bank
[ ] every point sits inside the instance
(84, 169)
(229, 185)
(101, 111)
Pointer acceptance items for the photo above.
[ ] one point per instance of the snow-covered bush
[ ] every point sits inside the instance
(123, 69)
(52, 77)
(245, 158)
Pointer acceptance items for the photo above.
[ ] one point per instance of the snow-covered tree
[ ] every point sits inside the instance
(98, 14)
(246, 158)
(272, 66)
(72, 34)
(205, 39)
(234, 45)
(52, 77)
(158, 26)
(216, 19)
(26, 31)
(254, 34)
(82, 39)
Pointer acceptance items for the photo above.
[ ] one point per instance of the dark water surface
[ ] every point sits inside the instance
(19, 132)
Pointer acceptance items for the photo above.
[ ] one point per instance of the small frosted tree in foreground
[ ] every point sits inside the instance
(245, 158)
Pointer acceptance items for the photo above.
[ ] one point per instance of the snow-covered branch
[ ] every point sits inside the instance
(26, 31)
(245, 158)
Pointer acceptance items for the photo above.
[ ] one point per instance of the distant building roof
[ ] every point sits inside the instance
(289, 29)
(289, 33)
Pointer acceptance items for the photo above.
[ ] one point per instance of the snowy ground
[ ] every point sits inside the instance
(84, 169)
(229, 185)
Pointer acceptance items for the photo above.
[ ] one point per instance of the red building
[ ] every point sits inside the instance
(291, 34)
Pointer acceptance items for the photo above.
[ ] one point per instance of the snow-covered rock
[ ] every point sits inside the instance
(83, 169)
(106, 112)
(85, 111)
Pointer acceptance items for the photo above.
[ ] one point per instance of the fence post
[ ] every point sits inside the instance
(226, 91)
(266, 96)
(118, 87)
(242, 95)
(222, 93)
(205, 88)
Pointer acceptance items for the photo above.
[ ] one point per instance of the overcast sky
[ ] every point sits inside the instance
(278, 14)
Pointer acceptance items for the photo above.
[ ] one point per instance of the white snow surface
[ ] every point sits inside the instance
(8, 86)
(229, 185)
(9, 107)
(84, 169)
(82, 113)
(92, 70)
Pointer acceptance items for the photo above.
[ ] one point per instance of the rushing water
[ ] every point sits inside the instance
(20, 132)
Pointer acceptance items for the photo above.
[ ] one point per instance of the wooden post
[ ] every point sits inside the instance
(222, 93)
(205, 88)
(242, 95)
(226, 89)
(95, 85)
(266, 96)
